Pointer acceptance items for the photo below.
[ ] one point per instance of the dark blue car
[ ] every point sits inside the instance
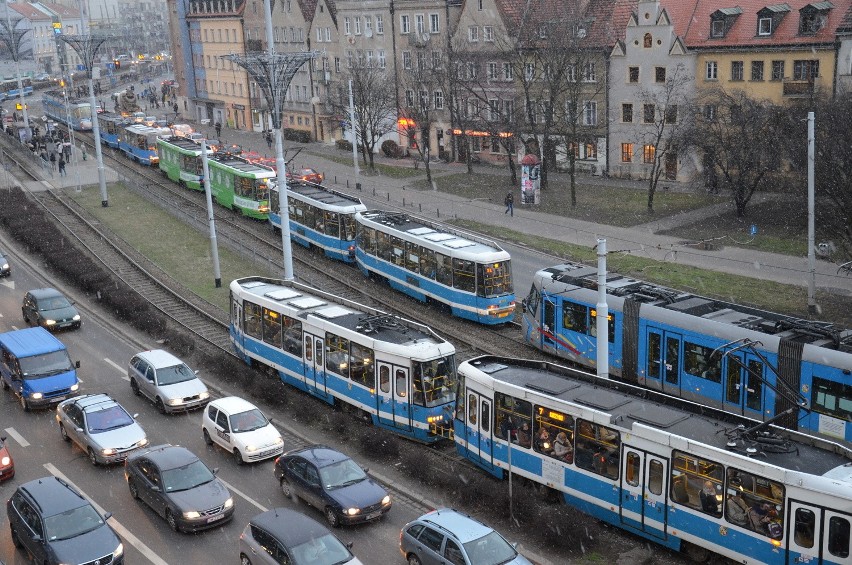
(332, 482)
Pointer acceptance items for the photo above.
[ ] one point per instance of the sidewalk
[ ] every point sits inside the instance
(642, 240)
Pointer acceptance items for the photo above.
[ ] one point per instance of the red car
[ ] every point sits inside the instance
(7, 466)
(307, 175)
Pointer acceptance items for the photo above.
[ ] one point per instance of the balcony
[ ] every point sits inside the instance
(795, 88)
(213, 7)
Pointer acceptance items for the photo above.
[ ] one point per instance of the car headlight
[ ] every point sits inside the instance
(175, 401)
(50, 322)
(76, 317)
(5, 461)
(352, 511)
(119, 551)
(36, 395)
(229, 503)
(142, 442)
(108, 451)
(192, 514)
(278, 441)
(251, 448)
(204, 395)
(75, 387)
(5, 266)
(386, 500)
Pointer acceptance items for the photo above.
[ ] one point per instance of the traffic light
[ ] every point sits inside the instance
(117, 63)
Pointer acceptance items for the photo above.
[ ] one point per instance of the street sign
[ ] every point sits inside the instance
(81, 67)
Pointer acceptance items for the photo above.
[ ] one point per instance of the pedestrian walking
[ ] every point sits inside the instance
(218, 128)
(53, 160)
(62, 172)
(269, 139)
(83, 152)
(510, 204)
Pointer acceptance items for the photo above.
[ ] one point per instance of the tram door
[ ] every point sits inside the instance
(548, 324)
(817, 535)
(478, 428)
(393, 398)
(663, 361)
(643, 492)
(744, 388)
(237, 321)
(312, 359)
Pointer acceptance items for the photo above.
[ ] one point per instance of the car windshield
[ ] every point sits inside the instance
(72, 523)
(186, 477)
(490, 549)
(52, 303)
(341, 474)
(45, 365)
(324, 550)
(175, 374)
(248, 421)
(106, 419)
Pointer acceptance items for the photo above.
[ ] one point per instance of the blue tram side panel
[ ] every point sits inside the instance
(110, 127)
(432, 262)
(139, 143)
(684, 476)
(76, 114)
(743, 360)
(319, 217)
(399, 373)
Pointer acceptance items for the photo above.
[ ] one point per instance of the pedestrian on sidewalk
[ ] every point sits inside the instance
(218, 128)
(83, 152)
(269, 139)
(53, 160)
(510, 204)
(62, 172)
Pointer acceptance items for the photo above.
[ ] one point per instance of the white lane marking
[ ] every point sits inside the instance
(17, 437)
(14, 327)
(122, 531)
(118, 368)
(244, 495)
(11, 285)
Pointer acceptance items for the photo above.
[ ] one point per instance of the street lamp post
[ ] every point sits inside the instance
(273, 72)
(13, 37)
(87, 46)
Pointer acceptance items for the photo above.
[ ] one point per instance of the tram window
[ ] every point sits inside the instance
(697, 483)
(698, 361)
(654, 353)
(384, 378)
(251, 313)
(471, 409)
(804, 528)
(332, 224)
(292, 335)
(412, 257)
(593, 325)
(434, 381)
(464, 277)
(533, 300)
(444, 269)
(309, 348)
(401, 383)
(318, 350)
(244, 187)
(493, 279)
(337, 359)
(383, 246)
(754, 390)
(597, 449)
(832, 398)
(397, 250)
(272, 328)
(363, 368)
(319, 218)
(485, 419)
(349, 227)
(275, 205)
(513, 414)
(261, 190)
(574, 317)
(308, 215)
(549, 426)
(428, 266)
(655, 477)
(367, 241)
(838, 537)
(632, 469)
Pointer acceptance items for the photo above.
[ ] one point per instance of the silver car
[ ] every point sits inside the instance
(167, 381)
(101, 427)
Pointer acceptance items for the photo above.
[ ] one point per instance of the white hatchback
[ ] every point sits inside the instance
(238, 426)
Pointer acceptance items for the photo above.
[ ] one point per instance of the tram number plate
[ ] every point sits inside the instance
(214, 518)
(502, 314)
(373, 516)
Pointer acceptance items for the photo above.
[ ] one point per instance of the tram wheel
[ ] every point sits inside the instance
(696, 553)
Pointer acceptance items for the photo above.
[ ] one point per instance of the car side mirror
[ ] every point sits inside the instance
(37, 538)
(79, 430)
(76, 364)
(197, 372)
(349, 545)
(2, 438)
(215, 470)
(366, 469)
(107, 516)
(155, 488)
(136, 415)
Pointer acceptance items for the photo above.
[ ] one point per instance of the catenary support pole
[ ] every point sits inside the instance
(214, 247)
(812, 305)
(602, 313)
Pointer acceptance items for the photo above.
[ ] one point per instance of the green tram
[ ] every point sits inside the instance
(180, 161)
(238, 183)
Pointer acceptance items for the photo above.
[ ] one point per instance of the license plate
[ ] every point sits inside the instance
(373, 516)
(502, 314)
(214, 518)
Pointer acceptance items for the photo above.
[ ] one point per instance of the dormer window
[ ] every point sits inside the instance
(813, 17)
(769, 18)
(722, 20)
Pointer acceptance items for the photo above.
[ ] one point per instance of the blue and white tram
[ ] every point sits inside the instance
(655, 467)
(110, 128)
(398, 372)
(746, 361)
(319, 217)
(428, 261)
(74, 113)
(139, 143)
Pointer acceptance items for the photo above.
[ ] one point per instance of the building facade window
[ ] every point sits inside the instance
(712, 70)
(626, 152)
(404, 24)
(590, 113)
(647, 41)
(508, 73)
(659, 74)
(737, 70)
(710, 112)
(589, 74)
(409, 98)
(492, 71)
(493, 110)
(805, 69)
(648, 152)
(380, 25)
(487, 33)
(633, 74)
(382, 59)
(434, 24)
(764, 26)
(777, 70)
(648, 113)
(473, 34)
(671, 114)
(757, 70)
(439, 100)
(357, 25)
(627, 113)
(406, 60)
(347, 26)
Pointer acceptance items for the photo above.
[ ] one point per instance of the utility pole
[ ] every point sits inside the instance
(13, 37)
(813, 308)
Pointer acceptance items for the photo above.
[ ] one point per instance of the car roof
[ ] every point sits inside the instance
(53, 496)
(167, 456)
(233, 404)
(463, 527)
(30, 341)
(92, 402)
(320, 455)
(288, 526)
(44, 293)
(159, 358)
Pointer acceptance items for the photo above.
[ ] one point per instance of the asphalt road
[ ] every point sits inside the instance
(39, 451)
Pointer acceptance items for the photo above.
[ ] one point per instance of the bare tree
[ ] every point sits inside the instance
(375, 106)
(668, 124)
(737, 133)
